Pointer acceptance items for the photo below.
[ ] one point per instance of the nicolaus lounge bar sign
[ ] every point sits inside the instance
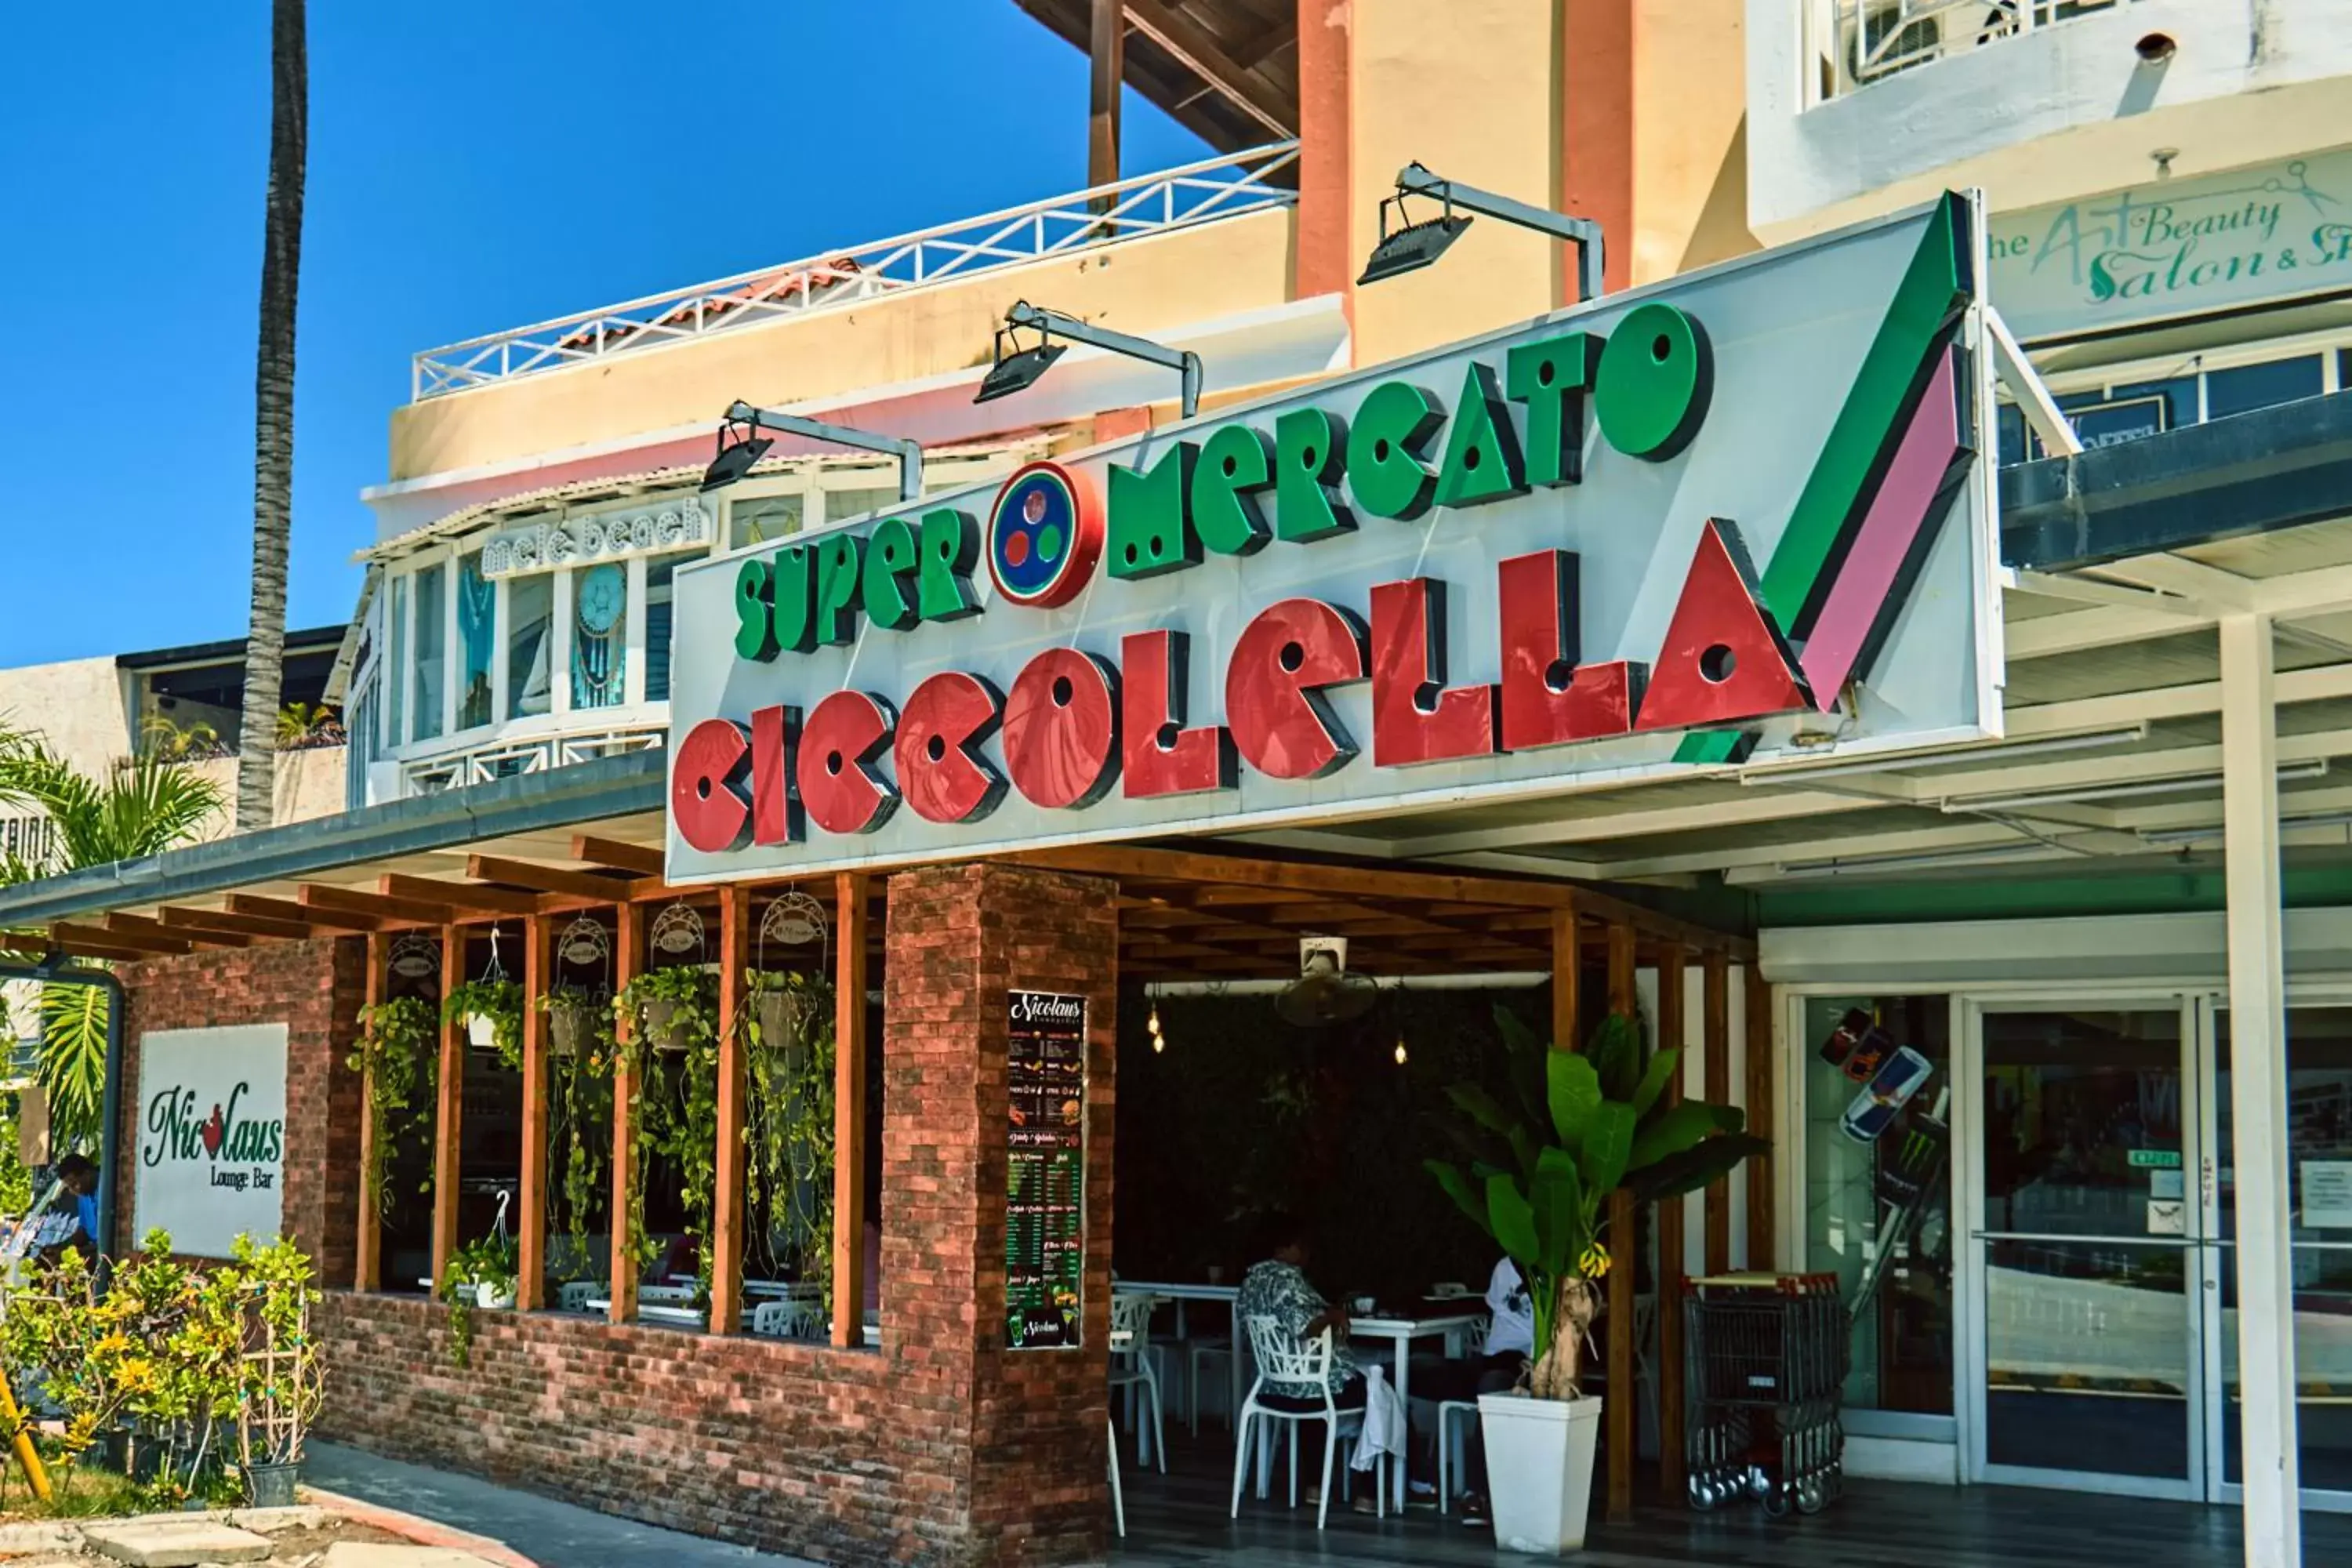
(1738, 517)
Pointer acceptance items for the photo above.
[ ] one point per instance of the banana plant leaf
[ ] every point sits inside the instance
(1702, 1164)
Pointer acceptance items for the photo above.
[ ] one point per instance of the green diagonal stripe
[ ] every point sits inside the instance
(1922, 304)
(1707, 746)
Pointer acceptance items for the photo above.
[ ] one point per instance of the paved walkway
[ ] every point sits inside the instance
(550, 1534)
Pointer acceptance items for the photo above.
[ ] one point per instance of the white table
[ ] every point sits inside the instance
(1179, 1293)
(1403, 1332)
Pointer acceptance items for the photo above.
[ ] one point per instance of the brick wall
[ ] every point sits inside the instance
(314, 988)
(943, 1447)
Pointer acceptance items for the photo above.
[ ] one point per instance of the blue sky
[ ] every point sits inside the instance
(472, 166)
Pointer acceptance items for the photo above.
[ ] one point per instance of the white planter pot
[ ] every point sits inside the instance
(1538, 1470)
(479, 1032)
(498, 1299)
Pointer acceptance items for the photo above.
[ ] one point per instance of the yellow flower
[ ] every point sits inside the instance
(137, 1372)
(114, 1343)
(1595, 1261)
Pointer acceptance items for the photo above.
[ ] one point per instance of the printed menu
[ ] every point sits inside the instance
(1045, 1181)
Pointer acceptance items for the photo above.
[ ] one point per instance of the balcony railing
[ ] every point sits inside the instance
(501, 759)
(1857, 42)
(1152, 204)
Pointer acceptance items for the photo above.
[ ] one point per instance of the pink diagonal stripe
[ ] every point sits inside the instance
(1888, 529)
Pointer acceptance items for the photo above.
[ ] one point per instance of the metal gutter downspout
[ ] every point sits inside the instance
(110, 1098)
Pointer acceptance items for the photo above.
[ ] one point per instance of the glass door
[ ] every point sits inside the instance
(2085, 1263)
(2319, 1199)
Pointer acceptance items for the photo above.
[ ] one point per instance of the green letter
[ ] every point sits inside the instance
(889, 556)
(1311, 450)
(1656, 376)
(755, 632)
(1150, 528)
(840, 564)
(1551, 378)
(1482, 451)
(792, 580)
(1235, 461)
(950, 549)
(1385, 473)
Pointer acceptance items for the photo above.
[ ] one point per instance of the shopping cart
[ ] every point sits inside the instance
(1767, 1358)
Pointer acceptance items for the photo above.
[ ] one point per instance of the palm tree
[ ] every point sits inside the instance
(273, 410)
(143, 807)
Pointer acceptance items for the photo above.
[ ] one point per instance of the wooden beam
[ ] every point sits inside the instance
(1761, 1252)
(139, 925)
(302, 915)
(369, 1273)
(80, 949)
(67, 934)
(849, 1110)
(727, 1219)
(1716, 1081)
(1106, 56)
(629, 944)
(1201, 54)
(637, 860)
(462, 896)
(448, 1122)
(1624, 1250)
(174, 918)
(1566, 1028)
(1671, 1214)
(548, 879)
(531, 1233)
(319, 897)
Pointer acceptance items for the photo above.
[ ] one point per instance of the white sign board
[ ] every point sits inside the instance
(211, 1135)
(2176, 248)
(1723, 519)
(2327, 1194)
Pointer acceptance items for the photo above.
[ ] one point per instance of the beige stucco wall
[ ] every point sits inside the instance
(1144, 286)
(1690, 136)
(76, 706)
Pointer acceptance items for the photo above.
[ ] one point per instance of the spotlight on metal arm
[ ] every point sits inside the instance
(1018, 370)
(740, 444)
(1414, 246)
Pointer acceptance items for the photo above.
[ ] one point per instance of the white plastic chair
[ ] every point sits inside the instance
(1218, 1356)
(574, 1295)
(789, 1319)
(1131, 1368)
(1452, 1461)
(1117, 1502)
(1281, 1359)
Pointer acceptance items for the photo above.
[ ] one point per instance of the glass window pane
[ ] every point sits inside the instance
(2086, 1357)
(2179, 392)
(659, 572)
(530, 610)
(395, 676)
(432, 632)
(1878, 1204)
(478, 599)
(2251, 386)
(600, 632)
(2010, 422)
(762, 519)
(841, 504)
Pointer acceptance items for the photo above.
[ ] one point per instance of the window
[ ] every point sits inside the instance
(432, 633)
(530, 644)
(659, 574)
(396, 667)
(2250, 386)
(841, 504)
(477, 601)
(600, 635)
(761, 519)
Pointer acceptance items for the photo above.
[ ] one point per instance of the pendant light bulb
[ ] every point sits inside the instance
(1158, 1045)
(1399, 1050)
(1152, 1023)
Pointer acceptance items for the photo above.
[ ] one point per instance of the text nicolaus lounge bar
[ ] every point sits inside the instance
(1754, 649)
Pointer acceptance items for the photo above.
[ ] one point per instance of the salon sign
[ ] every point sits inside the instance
(1733, 518)
(211, 1135)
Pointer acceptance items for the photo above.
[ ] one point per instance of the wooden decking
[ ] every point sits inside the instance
(1181, 1520)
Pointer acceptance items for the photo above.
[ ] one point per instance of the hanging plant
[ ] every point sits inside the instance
(673, 1010)
(480, 1274)
(576, 1018)
(789, 1115)
(580, 1109)
(397, 1051)
(492, 1009)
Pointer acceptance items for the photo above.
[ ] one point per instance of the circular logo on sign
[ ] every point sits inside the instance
(1044, 535)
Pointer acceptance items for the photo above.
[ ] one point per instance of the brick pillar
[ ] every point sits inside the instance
(1019, 1435)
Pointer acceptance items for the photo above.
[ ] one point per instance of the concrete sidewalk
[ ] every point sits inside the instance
(550, 1534)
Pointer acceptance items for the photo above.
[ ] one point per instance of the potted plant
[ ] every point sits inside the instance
(675, 1008)
(573, 1013)
(481, 1274)
(492, 1009)
(395, 1052)
(785, 1008)
(282, 1384)
(1584, 1125)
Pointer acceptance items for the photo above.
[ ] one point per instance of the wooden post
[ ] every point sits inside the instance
(1671, 1214)
(1761, 1253)
(727, 1228)
(1717, 1089)
(628, 941)
(449, 1123)
(369, 1273)
(530, 1245)
(849, 928)
(1622, 1252)
(1108, 56)
(1566, 1035)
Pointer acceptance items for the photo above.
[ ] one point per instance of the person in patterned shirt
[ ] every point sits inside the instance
(1277, 1287)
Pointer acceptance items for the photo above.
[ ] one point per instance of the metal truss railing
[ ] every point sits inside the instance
(1152, 203)
(1863, 41)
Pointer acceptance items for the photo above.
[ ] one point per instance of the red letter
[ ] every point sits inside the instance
(1273, 706)
(1061, 728)
(945, 717)
(1414, 718)
(775, 808)
(1549, 699)
(843, 733)
(1723, 658)
(704, 799)
(1160, 756)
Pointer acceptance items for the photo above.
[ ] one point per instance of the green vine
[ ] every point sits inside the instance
(499, 1000)
(580, 1112)
(494, 1261)
(789, 1123)
(397, 1052)
(673, 1011)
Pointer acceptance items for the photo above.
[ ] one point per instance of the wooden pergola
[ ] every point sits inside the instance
(1184, 914)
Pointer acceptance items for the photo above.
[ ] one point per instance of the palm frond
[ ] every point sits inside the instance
(71, 1063)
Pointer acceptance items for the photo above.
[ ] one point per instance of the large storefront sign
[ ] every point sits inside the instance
(2176, 248)
(1735, 516)
(212, 1135)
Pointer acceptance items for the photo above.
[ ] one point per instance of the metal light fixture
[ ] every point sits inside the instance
(740, 444)
(1416, 246)
(1019, 370)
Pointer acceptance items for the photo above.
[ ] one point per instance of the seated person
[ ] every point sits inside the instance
(1503, 1361)
(1278, 1289)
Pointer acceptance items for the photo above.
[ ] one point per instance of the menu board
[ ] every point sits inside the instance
(1045, 1179)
